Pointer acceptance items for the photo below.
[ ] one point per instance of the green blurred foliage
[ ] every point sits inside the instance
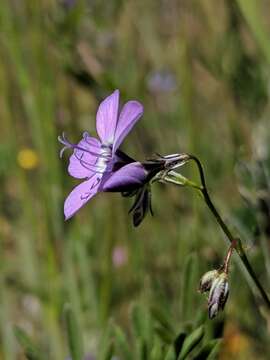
(201, 69)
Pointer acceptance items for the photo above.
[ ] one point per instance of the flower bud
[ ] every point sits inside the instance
(174, 161)
(207, 280)
(218, 295)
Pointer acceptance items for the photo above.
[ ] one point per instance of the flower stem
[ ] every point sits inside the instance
(225, 266)
(238, 247)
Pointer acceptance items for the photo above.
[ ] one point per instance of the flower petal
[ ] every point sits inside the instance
(81, 163)
(107, 116)
(129, 177)
(80, 195)
(130, 114)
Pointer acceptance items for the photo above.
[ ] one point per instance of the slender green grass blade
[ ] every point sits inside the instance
(250, 11)
(191, 342)
(209, 350)
(73, 334)
(30, 350)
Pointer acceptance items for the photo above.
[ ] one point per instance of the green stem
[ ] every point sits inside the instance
(239, 248)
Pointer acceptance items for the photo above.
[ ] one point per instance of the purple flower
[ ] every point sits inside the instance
(119, 256)
(99, 161)
(108, 169)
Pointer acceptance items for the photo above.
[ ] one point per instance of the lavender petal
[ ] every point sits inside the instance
(128, 178)
(107, 116)
(82, 163)
(129, 115)
(80, 195)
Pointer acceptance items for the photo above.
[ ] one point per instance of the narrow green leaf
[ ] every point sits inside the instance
(178, 342)
(31, 352)
(142, 331)
(74, 337)
(189, 286)
(107, 352)
(164, 334)
(250, 11)
(106, 348)
(212, 347)
(121, 343)
(170, 354)
(162, 318)
(191, 342)
(157, 351)
(142, 349)
(141, 322)
(215, 350)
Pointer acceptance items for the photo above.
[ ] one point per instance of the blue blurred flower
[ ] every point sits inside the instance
(161, 81)
(68, 4)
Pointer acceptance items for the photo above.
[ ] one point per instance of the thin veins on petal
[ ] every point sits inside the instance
(68, 145)
(91, 167)
(86, 138)
(87, 194)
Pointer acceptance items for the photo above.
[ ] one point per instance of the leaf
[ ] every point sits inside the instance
(141, 322)
(121, 343)
(163, 326)
(250, 11)
(106, 347)
(74, 339)
(30, 350)
(142, 329)
(164, 335)
(107, 352)
(215, 350)
(189, 286)
(178, 342)
(161, 318)
(170, 354)
(157, 351)
(191, 342)
(209, 350)
(142, 349)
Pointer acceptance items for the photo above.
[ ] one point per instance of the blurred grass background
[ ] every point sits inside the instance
(201, 69)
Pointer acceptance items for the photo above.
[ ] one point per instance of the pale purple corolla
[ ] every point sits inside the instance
(108, 169)
(99, 161)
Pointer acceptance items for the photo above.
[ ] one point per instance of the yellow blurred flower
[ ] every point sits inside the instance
(27, 159)
(236, 345)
